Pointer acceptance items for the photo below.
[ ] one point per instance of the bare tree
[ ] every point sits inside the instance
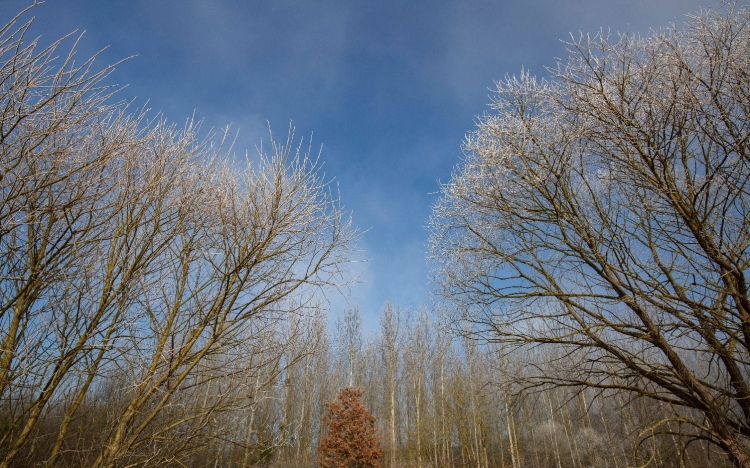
(607, 212)
(417, 350)
(350, 339)
(138, 252)
(390, 329)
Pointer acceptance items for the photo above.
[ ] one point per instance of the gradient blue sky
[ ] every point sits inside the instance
(389, 88)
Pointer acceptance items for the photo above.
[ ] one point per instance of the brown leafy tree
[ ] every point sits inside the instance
(352, 440)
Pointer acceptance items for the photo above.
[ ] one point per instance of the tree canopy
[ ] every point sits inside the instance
(606, 212)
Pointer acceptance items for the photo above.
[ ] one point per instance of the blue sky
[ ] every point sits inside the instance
(389, 88)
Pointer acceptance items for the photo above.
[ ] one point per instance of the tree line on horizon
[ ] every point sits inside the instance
(162, 303)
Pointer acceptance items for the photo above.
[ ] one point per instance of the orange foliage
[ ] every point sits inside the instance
(352, 440)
